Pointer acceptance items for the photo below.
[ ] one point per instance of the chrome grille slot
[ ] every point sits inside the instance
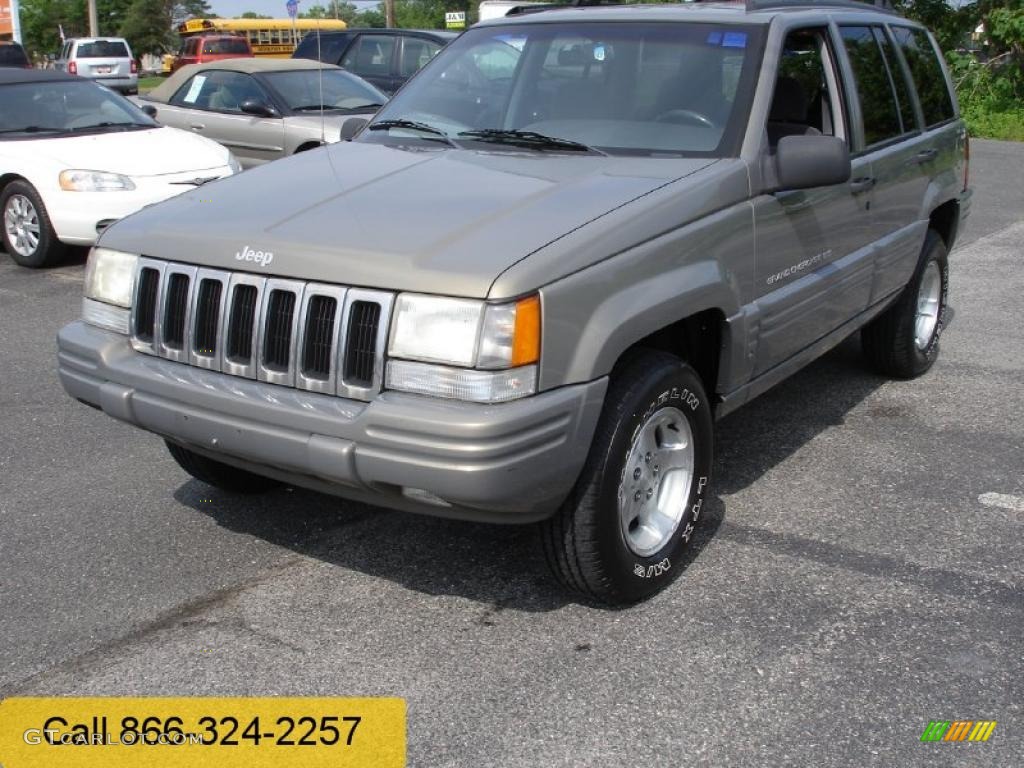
(279, 332)
(242, 324)
(362, 358)
(144, 325)
(314, 336)
(176, 311)
(317, 350)
(319, 339)
(363, 324)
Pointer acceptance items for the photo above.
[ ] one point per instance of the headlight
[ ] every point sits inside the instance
(94, 181)
(501, 339)
(233, 164)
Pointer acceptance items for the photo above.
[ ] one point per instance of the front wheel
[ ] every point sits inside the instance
(218, 474)
(620, 536)
(27, 232)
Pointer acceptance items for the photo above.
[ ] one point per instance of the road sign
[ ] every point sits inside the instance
(455, 20)
(293, 8)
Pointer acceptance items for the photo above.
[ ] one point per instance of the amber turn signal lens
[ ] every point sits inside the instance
(526, 340)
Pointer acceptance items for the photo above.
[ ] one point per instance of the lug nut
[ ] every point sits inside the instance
(647, 458)
(650, 492)
(636, 473)
(636, 496)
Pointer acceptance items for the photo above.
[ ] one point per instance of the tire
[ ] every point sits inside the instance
(903, 342)
(23, 219)
(220, 475)
(591, 547)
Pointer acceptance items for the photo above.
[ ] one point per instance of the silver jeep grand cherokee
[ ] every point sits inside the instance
(526, 288)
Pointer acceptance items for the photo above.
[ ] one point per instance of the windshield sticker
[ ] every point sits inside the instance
(734, 40)
(193, 92)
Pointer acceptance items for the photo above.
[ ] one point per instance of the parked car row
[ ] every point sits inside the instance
(75, 157)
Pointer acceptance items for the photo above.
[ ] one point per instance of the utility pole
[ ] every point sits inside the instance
(94, 25)
(389, 13)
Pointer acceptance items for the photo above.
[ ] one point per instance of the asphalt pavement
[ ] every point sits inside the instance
(858, 574)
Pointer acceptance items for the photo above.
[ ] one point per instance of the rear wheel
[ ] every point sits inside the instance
(904, 340)
(27, 232)
(620, 536)
(220, 475)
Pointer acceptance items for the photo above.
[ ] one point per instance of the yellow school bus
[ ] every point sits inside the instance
(274, 38)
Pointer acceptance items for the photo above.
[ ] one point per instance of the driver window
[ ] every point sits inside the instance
(805, 102)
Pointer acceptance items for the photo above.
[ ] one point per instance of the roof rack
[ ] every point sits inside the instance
(885, 6)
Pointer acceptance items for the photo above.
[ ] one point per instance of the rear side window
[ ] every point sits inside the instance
(102, 49)
(899, 82)
(12, 56)
(371, 55)
(929, 79)
(225, 45)
(878, 105)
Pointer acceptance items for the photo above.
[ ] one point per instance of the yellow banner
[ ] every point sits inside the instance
(187, 732)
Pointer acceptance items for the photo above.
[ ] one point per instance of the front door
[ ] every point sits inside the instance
(813, 247)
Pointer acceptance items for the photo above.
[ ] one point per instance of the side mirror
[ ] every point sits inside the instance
(257, 108)
(804, 162)
(351, 127)
(150, 110)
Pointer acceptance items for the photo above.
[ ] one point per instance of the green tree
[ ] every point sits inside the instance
(147, 27)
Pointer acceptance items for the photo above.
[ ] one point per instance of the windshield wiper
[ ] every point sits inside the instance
(529, 139)
(333, 108)
(32, 129)
(98, 126)
(411, 125)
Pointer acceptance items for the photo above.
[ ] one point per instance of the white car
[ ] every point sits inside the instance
(75, 157)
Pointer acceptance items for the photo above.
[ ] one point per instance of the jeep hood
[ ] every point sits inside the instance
(436, 220)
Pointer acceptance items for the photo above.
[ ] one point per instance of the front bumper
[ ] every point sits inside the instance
(513, 462)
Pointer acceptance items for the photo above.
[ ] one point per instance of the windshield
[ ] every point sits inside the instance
(676, 88)
(102, 49)
(66, 107)
(300, 90)
(225, 45)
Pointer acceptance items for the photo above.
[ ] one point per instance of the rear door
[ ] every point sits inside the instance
(814, 255)
(896, 148)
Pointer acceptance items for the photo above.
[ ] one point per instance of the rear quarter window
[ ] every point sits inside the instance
(930, 81)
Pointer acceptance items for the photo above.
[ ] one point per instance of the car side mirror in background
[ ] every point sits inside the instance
(257, 108)
(351, 127)
(804, 162)
(150, 110)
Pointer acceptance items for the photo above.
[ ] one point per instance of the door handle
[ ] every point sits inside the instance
(863, 184)
(924, 156)
(197, 126)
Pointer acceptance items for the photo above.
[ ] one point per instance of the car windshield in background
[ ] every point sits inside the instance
(65, 107)
(677, 88)
(301, 90)
(225, 46)
(102, 49)
(12, 56)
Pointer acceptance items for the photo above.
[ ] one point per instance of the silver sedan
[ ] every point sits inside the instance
(263, 109)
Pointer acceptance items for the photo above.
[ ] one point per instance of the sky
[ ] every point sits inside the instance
(275, 8)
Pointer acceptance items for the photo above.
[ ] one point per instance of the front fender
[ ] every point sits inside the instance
(592, 317)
